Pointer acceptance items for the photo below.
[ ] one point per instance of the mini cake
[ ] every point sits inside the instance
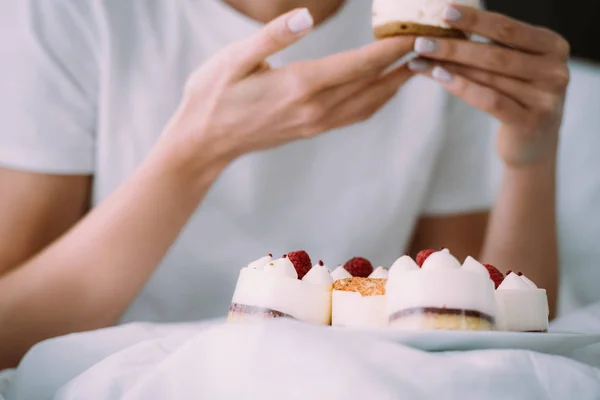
(522, 307)
(270, 288)
(441, 294)
(359, 301)
(414, 17)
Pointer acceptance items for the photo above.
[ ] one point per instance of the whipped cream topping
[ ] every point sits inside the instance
(379, 273)
(340, 273)
(516, 282)
(404, 263)
(260, 263)
(281, 267)
(529, 282)
(426, 12)
(472, 264)
(319, 274)
(441, 260)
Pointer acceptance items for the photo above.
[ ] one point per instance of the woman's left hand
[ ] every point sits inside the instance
(522, 82)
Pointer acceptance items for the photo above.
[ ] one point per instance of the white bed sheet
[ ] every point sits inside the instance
(289, 360)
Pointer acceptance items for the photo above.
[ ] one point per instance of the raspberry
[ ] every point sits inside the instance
(301, 261)
(359, 267)
(423, 255)
(495, 275)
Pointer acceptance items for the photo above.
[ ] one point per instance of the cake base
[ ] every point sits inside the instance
(441, 319)
(399, 28)
(242, 312)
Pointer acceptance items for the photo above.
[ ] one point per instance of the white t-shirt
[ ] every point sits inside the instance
(91, 84)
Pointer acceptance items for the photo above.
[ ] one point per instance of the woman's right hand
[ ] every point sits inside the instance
(235, 103)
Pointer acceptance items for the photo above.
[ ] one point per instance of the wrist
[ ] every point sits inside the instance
(197, 165)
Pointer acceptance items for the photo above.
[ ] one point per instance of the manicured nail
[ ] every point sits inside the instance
(300, 21)
(451, 14)
(419, 65)
(424, 45)
(442, 75)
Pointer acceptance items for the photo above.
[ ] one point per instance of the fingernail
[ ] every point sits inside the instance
(300, 21)
(442, 75)
(419, 65)
(424, 45)
(451, 14)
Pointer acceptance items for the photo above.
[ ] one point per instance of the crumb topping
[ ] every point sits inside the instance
(364, 286)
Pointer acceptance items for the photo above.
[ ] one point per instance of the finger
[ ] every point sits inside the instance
(272, 38)
(508, 31)
(520, 91)
(368, 61)
(484, 98)
(367, 102)
(504, 61)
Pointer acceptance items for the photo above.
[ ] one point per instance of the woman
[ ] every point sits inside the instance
(90, 88)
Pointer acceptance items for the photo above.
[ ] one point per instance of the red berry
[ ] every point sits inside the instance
(321, 263)
(424, 255)
(270, 255)
(359, 267)
(495, 275)
(301, 261)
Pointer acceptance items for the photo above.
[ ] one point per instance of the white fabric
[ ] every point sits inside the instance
(579, 190)
(92, 83)
(290, 360)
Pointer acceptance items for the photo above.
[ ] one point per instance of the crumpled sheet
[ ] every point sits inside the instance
(288, 360)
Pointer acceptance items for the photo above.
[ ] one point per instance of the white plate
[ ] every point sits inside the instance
(549, 343)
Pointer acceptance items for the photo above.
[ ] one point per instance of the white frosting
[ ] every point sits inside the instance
(522, 310)
(379, 273)
(515, 282)
(472, 264)
(529, 282)
(260, 263)
(282, 267)
(351, 309)
(441, 260)
(303, 301)
(340, 273)
(521, 305)
(319, 275)
(442, 283)
(426, 12)
(403, 264)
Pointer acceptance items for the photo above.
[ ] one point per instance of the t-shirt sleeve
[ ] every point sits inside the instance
(465, 176)
(48, 87)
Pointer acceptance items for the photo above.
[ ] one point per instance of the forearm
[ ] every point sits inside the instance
(522, 232)
(86, 279)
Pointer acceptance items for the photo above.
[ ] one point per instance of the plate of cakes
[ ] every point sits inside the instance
(433, 302)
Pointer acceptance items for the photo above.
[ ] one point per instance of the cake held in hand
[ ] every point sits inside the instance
(442, 294)
(359, 302)
(414, 17)
(522, 307)
(271, 289)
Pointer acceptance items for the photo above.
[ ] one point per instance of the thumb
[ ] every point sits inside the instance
(278, 34)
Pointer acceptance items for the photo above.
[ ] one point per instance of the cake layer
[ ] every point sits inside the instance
(242, 311)
(446, 288)
(398, 28)
(522, 310)
(420, 12)
(441, 319)
(304, 301)
(353, 310)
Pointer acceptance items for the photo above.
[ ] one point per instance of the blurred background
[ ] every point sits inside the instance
(579, 163)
